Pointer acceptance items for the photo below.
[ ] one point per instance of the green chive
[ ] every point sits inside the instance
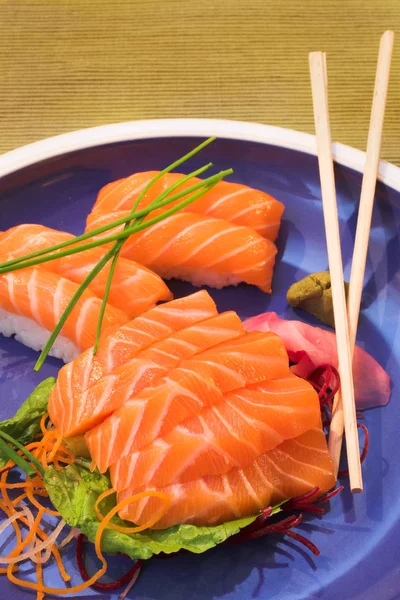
(143, 212)
(118, 245)
(29, 260)
(67, 311)
(105, 297)
(173, 166)
(121, 235)
(16, 458)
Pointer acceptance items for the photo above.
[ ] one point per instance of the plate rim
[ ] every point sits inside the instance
(81, 139)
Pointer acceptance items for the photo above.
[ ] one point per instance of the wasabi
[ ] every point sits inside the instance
(314, 295)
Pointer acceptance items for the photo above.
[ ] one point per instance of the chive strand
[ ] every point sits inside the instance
(67, 311)
(11, 454)
(33, 459)
(145, 211)
(171, 167)
(135, 229)
(105, 299)
(118, 245)
(122, 235)
(29, 260)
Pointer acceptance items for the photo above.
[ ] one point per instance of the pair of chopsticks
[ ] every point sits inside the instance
(346, 318)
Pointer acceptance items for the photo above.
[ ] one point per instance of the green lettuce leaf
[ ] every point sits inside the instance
(25, 424)
(74, 491)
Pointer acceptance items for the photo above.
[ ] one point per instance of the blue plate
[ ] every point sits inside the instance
(359, 538)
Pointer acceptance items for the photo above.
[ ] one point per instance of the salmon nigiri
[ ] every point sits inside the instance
(291, 469)
(200, 249)
(184, 392)
(115, 389)
(32, 301)
(120, 346)
(245, 424)
(134, 288)
(233, 202)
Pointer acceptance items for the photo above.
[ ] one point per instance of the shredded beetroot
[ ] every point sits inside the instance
(326, 381)
(305, 541)
(307, 502)
(364, 452)
(282, 527)
(331, 494)
(102, 586)
(258, 523)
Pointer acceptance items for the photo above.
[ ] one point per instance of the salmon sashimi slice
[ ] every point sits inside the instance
(200, 249)
(115, 389)
(120, 346)
(233, 202)
(195, 339)
(41, 297)
(247, 423)
(134, 288)
(186, 390)
(291, 469)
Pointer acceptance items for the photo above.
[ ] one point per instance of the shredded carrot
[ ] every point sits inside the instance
(31, 488)
(8, 507)
(46, 450)
(105, 494)
(21, 545)
(60, 564)
(150, 523)
(3, 487)
(8, 466)
(31, 495)
(56, 553)
(55, 447)
(97, 545)
(43, 423)
(57, 465)
(62, 461)
(32, 531)
(39, 577)
(3, 570)
(51, 450)
(33, 446)
(18, 499)
(50, 435)
(22, 484)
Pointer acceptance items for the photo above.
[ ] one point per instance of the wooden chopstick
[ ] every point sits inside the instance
(325, 161)
(364, 222)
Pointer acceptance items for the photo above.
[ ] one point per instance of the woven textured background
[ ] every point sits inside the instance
(68, 64)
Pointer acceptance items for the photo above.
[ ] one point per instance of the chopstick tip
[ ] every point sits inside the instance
(387, 36)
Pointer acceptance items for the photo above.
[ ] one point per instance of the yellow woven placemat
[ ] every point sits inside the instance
(68, 64)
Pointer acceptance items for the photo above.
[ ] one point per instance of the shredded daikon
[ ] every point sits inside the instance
(38, 548)
(71, 536)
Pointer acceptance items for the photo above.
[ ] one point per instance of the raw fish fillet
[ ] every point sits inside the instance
(41, 297)
(122, 345)
(134, 288)
(233, 433)
(291, 469)
(115, 389)
(200, 249)
(186, 390)
(233, 202)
